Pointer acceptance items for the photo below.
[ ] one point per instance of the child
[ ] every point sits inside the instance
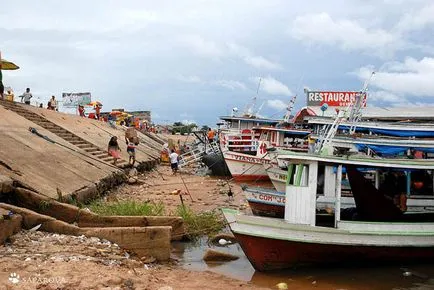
(174, 161)
(114, 149)
(131, 149)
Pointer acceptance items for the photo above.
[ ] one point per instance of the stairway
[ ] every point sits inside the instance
(66, 135)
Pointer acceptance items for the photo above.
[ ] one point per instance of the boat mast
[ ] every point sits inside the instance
(248, 111)
(354, 108)
(289, 109)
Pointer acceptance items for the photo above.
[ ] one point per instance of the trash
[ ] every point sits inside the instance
(27, 259)
(224, 242)
(34, 229)
(314, 283)
(165, 288)
(407, 274)
(282, 286)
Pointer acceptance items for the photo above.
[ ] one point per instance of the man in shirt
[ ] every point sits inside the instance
(27, 95)
(174, 161)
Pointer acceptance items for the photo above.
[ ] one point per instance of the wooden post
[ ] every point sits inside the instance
(338, 195)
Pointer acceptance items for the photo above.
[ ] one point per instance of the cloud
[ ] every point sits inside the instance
(411, 77)
(385, 97)
(347, 34)
(249, 58)
(417, 20)
(276, 104)
(273, 86)
(261, 62)
(232, 85)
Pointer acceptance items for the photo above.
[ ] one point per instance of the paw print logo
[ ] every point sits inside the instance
(14, 278)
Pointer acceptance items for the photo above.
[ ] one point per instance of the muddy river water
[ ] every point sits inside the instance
(403, 276)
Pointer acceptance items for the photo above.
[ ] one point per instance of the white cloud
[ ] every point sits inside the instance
(276, 104)
(347, 34)
(385, 97)
(261, 62)
(273, 86)
(249, 58)
(412, 77)
(230, 84)
(416, 20)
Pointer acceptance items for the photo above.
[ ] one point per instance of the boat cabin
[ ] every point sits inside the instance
(380, 188)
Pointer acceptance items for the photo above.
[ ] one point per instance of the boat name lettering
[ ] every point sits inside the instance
(269, 197)
(251, 159)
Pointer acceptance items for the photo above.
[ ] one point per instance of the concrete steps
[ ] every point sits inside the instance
(62, 133)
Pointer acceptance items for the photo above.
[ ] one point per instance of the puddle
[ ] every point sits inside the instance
(366, 277)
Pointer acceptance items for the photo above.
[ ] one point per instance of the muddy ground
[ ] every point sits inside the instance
(51, 261)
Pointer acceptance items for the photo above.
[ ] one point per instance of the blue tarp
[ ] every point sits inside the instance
(391, 150)
(392, 132)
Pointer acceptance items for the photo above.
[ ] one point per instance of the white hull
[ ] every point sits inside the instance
(246, 167)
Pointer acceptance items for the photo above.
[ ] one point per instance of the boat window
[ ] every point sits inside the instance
(298, 175)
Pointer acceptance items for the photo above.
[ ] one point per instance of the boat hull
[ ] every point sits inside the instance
(244, 167)
(266, 254)
(264, 202)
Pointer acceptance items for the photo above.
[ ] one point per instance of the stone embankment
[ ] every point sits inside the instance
(48, 158)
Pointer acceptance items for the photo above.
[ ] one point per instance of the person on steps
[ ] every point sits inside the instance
(131, 149)
(114, 149)
(26, 96)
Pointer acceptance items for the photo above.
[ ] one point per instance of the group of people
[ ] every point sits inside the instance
(114, 149)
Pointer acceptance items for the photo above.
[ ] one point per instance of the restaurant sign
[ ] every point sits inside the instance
(332, 99)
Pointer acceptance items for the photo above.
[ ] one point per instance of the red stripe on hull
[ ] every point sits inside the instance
(246, 177)
(268, 210)
(272, 254)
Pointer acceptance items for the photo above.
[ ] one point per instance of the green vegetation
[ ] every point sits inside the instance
(179, 127)
(200, 224)
(127, 208)
(196, 224)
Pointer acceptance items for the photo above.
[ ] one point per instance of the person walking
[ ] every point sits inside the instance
(174, 161)
(131, 149)
(26, 96)
(114, 149)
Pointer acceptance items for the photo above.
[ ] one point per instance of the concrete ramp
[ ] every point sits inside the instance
(45, 166)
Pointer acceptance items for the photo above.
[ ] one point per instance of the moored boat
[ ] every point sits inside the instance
(377, 230)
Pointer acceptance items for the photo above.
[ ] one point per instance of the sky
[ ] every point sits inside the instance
(195, 60)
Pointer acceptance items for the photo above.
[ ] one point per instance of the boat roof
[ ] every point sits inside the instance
(284, 130)
(247, 119)
(382, 113)
(361, 161)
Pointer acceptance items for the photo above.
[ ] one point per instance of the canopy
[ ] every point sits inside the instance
(95, 103)
(7, 65)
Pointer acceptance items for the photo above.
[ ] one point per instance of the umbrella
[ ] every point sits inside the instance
(7, 65)
(95, 103)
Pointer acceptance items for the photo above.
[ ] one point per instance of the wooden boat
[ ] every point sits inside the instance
(248, 165)
(265, 202)
(377, 232)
